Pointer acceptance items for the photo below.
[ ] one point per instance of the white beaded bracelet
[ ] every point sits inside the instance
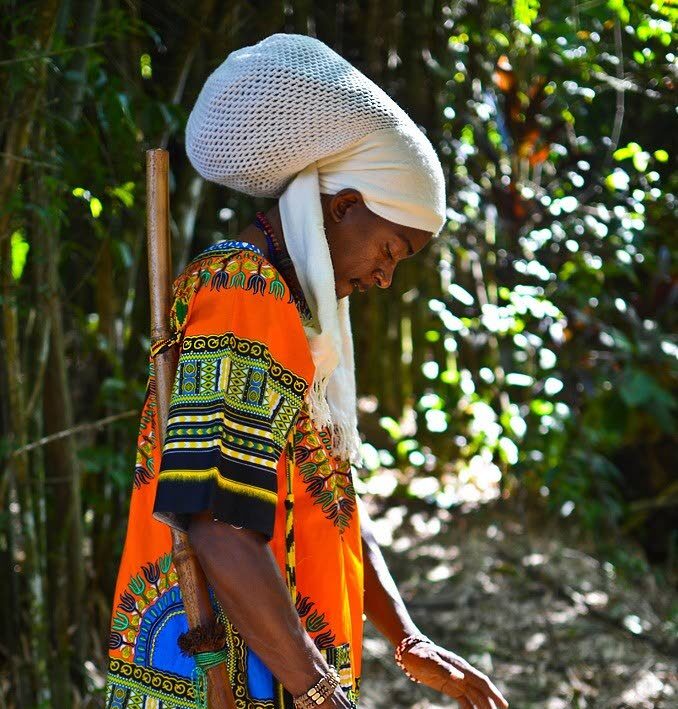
(406, 644)
(319, 692)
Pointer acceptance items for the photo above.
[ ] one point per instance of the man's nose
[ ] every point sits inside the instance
(383, 277)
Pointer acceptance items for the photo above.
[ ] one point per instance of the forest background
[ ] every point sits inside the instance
(526, 362)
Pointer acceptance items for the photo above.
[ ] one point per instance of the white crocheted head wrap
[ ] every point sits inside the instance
(290, 118)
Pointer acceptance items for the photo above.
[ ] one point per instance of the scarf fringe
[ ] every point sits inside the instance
(345, 439)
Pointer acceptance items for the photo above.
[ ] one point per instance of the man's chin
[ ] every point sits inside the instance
(342, 291)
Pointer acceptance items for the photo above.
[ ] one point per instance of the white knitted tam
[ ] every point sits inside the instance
(290, 118)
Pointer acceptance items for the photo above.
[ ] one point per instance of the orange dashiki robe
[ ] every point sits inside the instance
(239, 443)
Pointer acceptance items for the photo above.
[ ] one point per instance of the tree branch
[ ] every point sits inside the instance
(72, 431)
(35, 57)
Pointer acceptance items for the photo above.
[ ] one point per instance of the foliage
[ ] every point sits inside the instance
(531, 350)
(558, 353)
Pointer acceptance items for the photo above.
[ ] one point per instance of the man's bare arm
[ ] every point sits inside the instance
(243, 572)
(383, 604)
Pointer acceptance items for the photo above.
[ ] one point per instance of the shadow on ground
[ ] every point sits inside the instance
(530, 603)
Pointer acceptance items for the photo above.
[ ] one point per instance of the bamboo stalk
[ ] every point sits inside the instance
(24, 535)
(192, 581)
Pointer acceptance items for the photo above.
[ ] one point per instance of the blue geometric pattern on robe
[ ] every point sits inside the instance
(259, 678)
(225, 244)
(160, 628)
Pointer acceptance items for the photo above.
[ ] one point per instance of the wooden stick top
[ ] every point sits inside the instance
(157, 226)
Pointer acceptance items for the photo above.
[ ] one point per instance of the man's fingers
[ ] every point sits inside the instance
(494, 694)
(497, 697)
(479, 700)
(470, 688)
(484, 685)
(453, 684)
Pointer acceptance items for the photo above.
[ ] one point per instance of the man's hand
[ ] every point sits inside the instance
(452, 675)
(338, 700)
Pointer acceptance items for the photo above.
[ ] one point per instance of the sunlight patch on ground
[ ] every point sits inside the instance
(646, 687)
(534, 642)
(440, 573)
(534, 560)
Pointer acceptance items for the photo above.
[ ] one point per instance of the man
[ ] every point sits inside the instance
(256, 465)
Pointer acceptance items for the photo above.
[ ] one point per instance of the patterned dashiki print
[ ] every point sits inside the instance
(239, 443)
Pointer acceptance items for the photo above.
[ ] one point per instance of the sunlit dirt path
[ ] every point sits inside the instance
(532, 605)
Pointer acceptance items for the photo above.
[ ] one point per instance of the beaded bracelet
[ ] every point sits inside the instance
(405, 645)
(318, 692)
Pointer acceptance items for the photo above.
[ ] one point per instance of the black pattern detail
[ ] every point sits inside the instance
(132, 686)
(314, 622)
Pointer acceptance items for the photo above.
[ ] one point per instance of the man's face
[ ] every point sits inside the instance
(365, 248)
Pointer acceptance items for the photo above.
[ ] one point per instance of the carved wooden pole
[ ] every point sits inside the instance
(192, 581)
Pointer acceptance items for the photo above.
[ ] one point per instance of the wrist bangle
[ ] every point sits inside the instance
(318, 692)
(406, 644)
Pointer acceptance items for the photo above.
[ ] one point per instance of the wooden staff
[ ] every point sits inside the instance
(204, 631)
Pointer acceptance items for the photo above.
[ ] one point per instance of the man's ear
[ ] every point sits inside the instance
(342, 201)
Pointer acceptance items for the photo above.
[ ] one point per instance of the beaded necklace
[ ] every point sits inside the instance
(280, 258)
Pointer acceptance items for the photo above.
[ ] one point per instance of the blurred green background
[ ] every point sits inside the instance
(524, 365)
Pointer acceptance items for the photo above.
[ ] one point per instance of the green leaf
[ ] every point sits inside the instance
(525, 11)
(95, 207)
(145, 66)
(641, 161)
(620, 8)
(626, 152)
(467, 135)
(406, 446)
(542, 407)
(640, 389)
(643, 32)
(125, 193)
(449, 376)
(391, 426)
(20, 248)
(568, 270)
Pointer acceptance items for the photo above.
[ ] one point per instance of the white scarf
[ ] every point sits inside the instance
(400, 179)
(332, 396)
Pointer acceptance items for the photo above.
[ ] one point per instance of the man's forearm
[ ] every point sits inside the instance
(245, 577)
(383, 604)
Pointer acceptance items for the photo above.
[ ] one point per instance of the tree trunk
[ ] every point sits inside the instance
(64, 472)
(24, 554)
(25, 105)
(22, 504)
